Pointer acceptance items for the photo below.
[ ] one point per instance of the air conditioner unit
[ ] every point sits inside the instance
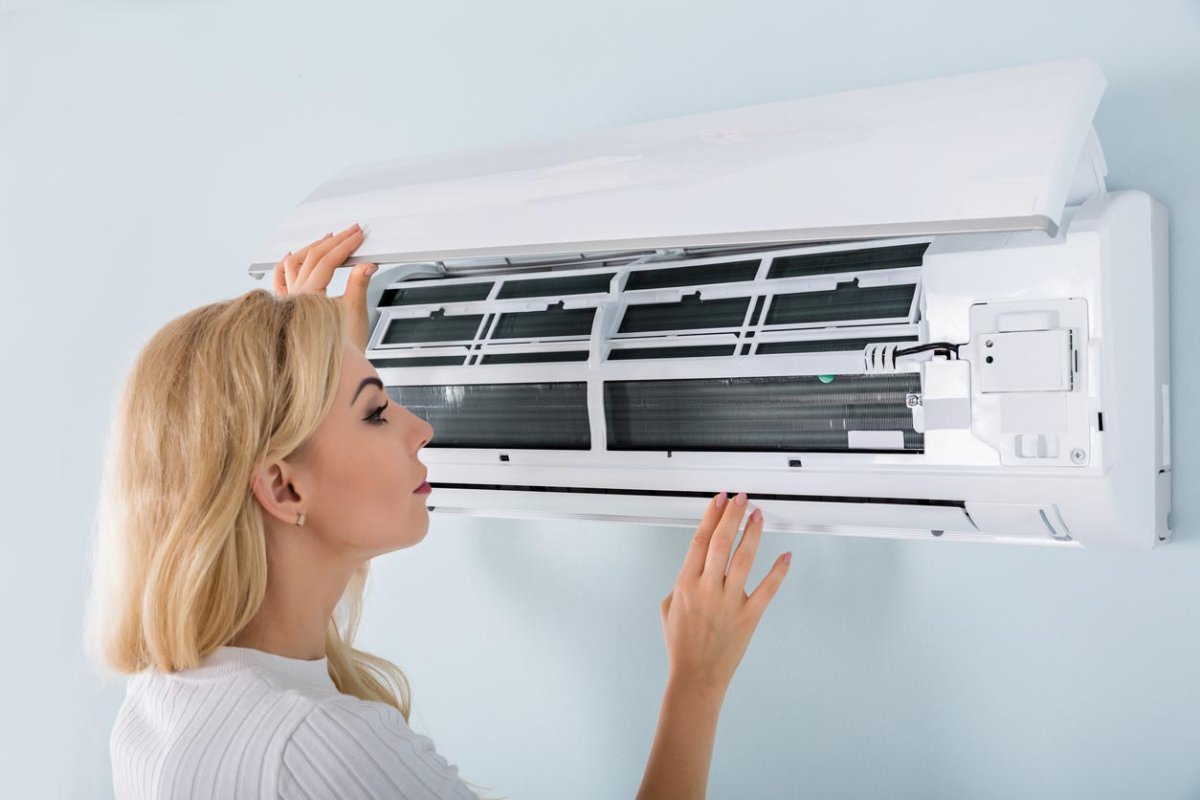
(910, 311)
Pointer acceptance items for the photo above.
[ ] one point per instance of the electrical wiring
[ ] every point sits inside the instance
(939, 348)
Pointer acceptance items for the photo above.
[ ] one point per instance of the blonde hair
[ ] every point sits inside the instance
(180, 553)
(180, 558)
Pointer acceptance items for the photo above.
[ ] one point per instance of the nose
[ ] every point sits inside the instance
(426, 433)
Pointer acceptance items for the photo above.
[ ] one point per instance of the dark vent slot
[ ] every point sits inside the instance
(690, 313)
(534, 358)
(791, 413)
(905, 255)
(687, 276)
(428, 361)
(556, 321)
(826, 345)
(544, 416)
(631, 353)
(846, 302)
(434, 328)
(806, 498)
(549, 287)
(758, 304)
(447, 293)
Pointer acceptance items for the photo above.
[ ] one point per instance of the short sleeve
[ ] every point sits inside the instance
(358, 749)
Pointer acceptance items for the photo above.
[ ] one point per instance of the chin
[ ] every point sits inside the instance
(412, 534)
(420, 530)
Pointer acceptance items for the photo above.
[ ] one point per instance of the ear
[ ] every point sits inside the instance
(274, 485)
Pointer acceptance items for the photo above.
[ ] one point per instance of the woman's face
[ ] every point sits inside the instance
(354, 479)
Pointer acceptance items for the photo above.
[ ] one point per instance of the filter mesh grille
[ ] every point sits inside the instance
(758, 414)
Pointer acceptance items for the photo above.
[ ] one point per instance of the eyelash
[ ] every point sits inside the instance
(374, 415)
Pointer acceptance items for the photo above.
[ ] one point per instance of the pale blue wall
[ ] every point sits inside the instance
(146, 148)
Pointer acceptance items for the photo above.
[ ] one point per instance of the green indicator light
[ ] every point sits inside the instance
(826, 378)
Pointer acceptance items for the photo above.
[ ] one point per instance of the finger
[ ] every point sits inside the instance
(743, 556)
(693, 562)
(291, 271)
(303, 251)
(314, 274)
(722, 541)
(322, 261)
(769, 586)
(357, 285)
(280, 278)
(292, 262)
(354, 304)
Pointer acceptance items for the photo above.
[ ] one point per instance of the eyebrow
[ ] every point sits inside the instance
(365, 383)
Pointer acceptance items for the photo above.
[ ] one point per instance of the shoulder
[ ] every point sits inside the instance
(364, 749)
(230, 731)
(245, 691)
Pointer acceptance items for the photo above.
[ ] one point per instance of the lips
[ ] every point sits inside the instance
(422, 483)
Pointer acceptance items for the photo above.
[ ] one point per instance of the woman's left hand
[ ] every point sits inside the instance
(311, 268)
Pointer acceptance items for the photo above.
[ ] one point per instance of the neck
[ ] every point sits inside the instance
(304, 583)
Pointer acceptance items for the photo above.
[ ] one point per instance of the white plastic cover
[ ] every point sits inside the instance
(996, 150)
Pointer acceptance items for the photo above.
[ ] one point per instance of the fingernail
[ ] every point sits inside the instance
(372, 269)
(787, 557)
(721, 498)
(756, 515)
(740, 499)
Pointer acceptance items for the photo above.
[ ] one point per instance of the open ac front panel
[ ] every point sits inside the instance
(631, 385)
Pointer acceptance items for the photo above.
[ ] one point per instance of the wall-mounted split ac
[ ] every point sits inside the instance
(910, 311)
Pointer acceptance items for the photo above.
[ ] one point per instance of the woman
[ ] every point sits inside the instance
(255, 467)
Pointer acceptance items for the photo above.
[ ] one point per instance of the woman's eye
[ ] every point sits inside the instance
(374, 415)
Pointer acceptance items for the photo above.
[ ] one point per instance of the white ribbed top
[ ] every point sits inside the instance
(251, 724)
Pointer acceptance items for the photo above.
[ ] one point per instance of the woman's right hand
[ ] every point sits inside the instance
(310, 269)
(708, 618)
